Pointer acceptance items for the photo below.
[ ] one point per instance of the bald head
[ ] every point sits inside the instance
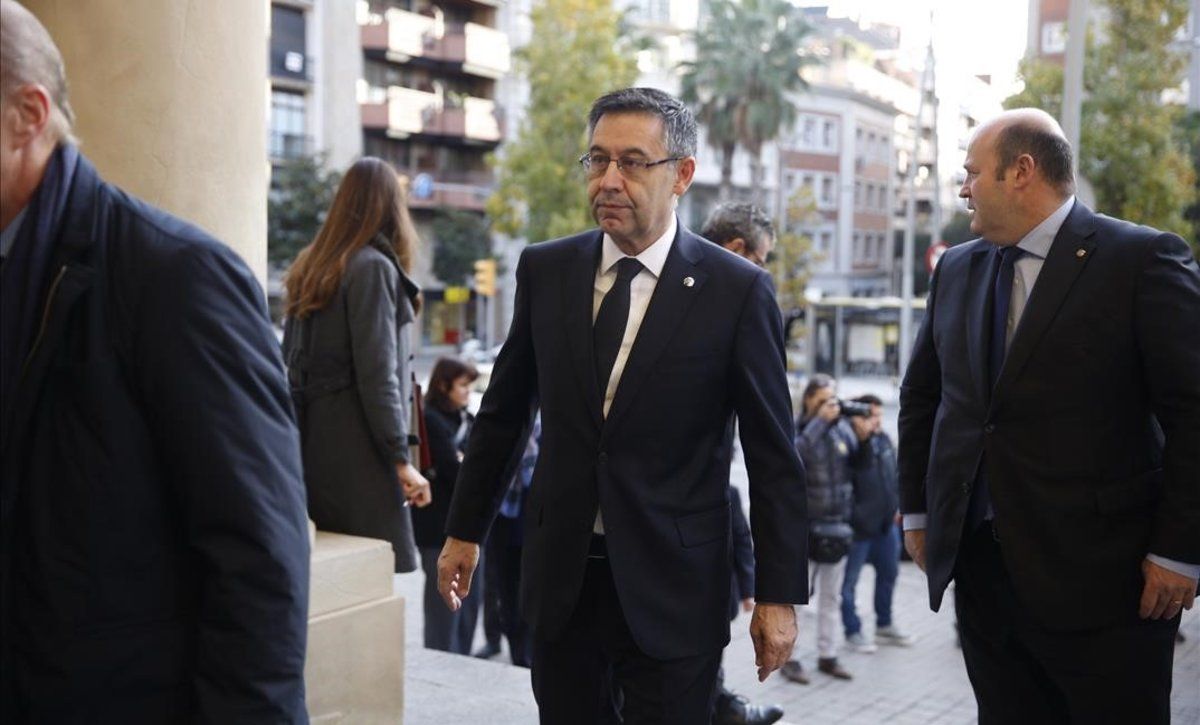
(28, 56)
(1031, 132)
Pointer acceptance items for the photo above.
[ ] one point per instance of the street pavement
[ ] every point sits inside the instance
(924, 684)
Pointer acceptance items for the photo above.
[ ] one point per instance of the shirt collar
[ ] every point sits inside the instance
(652, 257)
(9, 235)
(1037, 242)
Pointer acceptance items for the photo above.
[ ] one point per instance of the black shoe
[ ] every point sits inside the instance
(487, 651)
(830, 666)
(737, 710)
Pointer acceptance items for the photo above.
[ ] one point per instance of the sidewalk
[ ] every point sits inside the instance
(926, 683)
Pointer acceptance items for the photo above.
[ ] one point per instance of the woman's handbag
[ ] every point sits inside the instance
(419, 454)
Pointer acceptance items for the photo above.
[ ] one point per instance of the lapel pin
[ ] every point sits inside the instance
(1081, 253)
(688, 281)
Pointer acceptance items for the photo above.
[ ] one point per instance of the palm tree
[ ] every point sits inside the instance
(749, 56)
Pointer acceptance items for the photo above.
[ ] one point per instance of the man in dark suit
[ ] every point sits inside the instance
(640, 342)
(1050, 440)
(154, 560)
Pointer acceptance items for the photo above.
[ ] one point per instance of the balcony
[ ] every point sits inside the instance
(402, 112)
(403, 36)
(467, 190)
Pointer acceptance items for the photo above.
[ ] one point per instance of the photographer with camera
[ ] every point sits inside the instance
(876, 530)
(829, 449)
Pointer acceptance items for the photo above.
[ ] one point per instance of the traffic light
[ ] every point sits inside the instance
(485, 277)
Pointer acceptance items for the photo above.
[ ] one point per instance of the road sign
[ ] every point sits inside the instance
(422, 186)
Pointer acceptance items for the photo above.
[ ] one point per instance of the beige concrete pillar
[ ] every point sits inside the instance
(170, 104)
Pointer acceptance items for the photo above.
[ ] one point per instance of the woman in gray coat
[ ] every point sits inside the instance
(350, 308)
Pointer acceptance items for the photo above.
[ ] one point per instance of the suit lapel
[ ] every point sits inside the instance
(979, 283)
(1062, 267)
(578, 289)
(669, 304)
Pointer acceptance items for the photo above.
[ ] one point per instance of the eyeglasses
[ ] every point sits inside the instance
(596, 165)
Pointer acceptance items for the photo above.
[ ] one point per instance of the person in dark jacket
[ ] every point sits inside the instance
(502, 557)
(447, 425)
(876, 531)
(350, 309)
(828, 448)
(155, 555)
(746, 230)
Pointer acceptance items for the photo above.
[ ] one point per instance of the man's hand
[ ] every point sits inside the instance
(773, 629)
(1165, 592)
(456, 565)
(748, 604)
(914, 544)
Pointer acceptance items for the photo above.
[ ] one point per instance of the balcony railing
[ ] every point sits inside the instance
(288, 146)
(402, 35)
(406, 111)
(456, 189)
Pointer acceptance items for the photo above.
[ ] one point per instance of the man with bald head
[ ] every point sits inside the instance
(1050, 440)
(153, 537)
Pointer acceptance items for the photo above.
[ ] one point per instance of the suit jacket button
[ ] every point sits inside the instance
(602, 459)
(989, 428)
(966, 487)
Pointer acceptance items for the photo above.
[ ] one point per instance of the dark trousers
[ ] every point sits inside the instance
(445, 630)
(576, 675)
(1025, 674)
(503, 587)
(883, 553)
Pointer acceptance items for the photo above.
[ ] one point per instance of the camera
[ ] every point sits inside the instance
(854, 409)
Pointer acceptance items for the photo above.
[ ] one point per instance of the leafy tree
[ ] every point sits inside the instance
(1043, 86)
(461, 238)
(575, 55)
(749, 55)
(958, 229)
(301, 194)
(1189, 133)
(792, 260)
(1130, 148)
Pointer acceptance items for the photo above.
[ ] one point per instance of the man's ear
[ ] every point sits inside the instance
(29, 106)
(1023, 170)
(685, 169)
(737, 245)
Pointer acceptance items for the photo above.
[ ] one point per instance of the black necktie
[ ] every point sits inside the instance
(609, 328)
(981, 501)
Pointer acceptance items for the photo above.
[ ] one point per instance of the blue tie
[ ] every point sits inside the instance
(609, 327)
(1001, 297)
(980, 507)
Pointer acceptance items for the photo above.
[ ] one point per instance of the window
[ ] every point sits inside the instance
(829, 138)
(287, 139)
(288, 54)
(808, 136)
(827, 191)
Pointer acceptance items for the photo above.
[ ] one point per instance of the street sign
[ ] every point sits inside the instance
(933, 254)
(456, 295)
(422, 186)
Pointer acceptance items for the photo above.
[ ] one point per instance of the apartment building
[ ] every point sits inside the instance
(427, 98)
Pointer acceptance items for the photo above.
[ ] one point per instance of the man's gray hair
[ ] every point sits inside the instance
(28, 55)
(679, 125)
(738, 220)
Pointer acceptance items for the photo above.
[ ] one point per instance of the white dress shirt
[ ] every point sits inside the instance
(1034, 247)
(641, 289)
